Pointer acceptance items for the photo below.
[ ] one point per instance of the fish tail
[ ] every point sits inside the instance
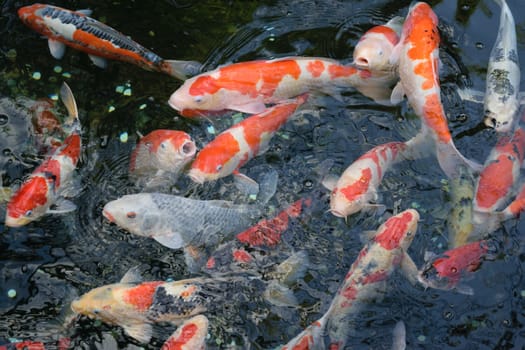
(68, 99)
(181, 69)
(451, 160)
(268, 186)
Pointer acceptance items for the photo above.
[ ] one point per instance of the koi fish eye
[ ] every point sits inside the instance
(197, 99)
(29, 213)
(163, 145)
(96, 311)
(219, 167)
(131, 215)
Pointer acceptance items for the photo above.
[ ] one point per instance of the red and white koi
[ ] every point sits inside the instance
(160, 156)
(500, 173)
(375, 46)
(46, 184)
(191, 335)
(502, 89)
(357, 187)
(447, 269)
(249, 86)
(233, 148)
(137, 306)
(417, 55)
(77, 30)
(365, 281)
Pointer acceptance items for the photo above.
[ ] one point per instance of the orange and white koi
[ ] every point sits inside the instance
(502, 89)
(160, 156)
(417, 55)
(136, 306)
(249, 86)
(375, 46)
(445, 271)
(46, 184)
(365, 280)
(500, 174)
(191, 335)
(77, 30)
(234, 147)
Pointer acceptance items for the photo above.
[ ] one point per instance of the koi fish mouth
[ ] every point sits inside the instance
(196, 176)
(16, 222)
(108, 216)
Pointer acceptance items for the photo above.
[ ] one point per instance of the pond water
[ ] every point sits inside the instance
(50, 261)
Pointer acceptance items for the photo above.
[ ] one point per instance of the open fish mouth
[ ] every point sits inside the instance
(108, 215)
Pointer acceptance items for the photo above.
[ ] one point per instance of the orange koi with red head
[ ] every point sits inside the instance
(77, 30)
(417, 57)
(44, 186)
(160, 156)
(248, 86)
(231, 149)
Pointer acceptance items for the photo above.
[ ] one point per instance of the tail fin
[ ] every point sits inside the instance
(66, 95)
(181, 69)
(450, 160)
(268, 186)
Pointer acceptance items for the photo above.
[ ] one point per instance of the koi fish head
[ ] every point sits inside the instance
(496, 116)
(136, 214)
(32, 16)
(104, 303)
(216, 159)
(398, 231)
(375, 47)
(199, 94)
(30, 202)
(353, 196)
(419, 20)
(169, 150)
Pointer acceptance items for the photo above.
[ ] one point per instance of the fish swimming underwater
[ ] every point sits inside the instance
(374, 48)
(48, 182)
(501, 101)
(234, 147)
(417, 56)
(77, 30)
(249, 86)
(191, 335)
(365, 281)
(446, 270)
(160, 157)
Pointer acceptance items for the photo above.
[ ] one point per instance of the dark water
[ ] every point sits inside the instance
(50, 260)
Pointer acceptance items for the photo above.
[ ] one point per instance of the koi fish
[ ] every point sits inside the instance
(375, 46)
(160, 156)
(268, 232)
(77, 30)
(445, 271)
(24, 345)
(177, 222)
(248, 86)
(48, 182)
(417, 55)
(136, 306)
(365, 281)
(460, 219)
(503, 75)
(357, 187)
(191, 335)
(501, 171)
(233, 148)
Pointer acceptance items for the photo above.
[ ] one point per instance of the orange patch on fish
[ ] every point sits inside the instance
(188, 332)
(388, 32)
(240, 255)
(141, 296)
(394, 231)
(316, 68)
(493, 182)
(216, 153)
(435, 118)
(359, 187)
(338, 71)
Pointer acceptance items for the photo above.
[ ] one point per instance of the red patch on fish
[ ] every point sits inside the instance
(434, 116)
(359, 187)
(31, 194)
(316, 68)
(387, 32)
(72, 147)
(216, 153)
(338, 71)
(141, 296)
(210, 264)
(394, 230)
(187, 334)
(242, 256)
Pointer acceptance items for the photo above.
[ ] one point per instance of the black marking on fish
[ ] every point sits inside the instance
(167, 304)
(499, 80)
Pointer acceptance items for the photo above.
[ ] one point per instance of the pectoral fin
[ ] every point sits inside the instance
(142, 332)
(62, 206)
(398, 93)
(245, 184)
(409, 269)
(171, 240)
(254, 107)
(56, 48)
(98, 61)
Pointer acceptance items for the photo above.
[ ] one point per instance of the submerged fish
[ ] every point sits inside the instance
(48, 182)
(417, 55)
(365, 281)
(248, 86)
(503, 76)
(460, 219)
(77, 30)
(160, 157)
(191, 335)
(375, 46)
(234, 147)
(446, 270)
